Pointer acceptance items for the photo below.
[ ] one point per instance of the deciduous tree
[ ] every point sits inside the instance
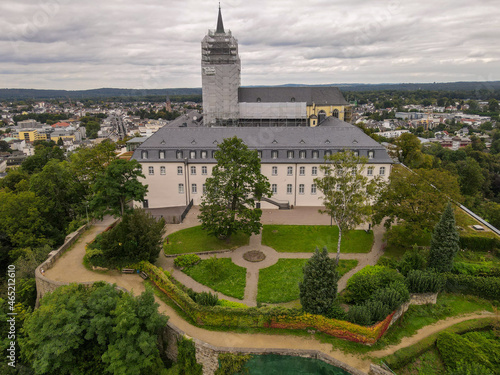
(347, 191)
(228, 205)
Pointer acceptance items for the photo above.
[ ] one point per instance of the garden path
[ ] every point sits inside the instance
(297, 216)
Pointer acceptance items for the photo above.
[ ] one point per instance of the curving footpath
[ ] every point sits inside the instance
(69, 268)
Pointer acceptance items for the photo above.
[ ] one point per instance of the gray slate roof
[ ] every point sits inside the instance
(319, 95)
(336, 136)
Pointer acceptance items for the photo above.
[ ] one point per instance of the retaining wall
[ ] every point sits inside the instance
(207, 355)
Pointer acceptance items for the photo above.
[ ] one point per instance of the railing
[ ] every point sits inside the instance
(183, 215)
(282, 205)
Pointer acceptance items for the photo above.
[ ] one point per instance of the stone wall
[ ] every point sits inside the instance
(377, 370)
(207, 355)
(45, 285)
(423, 298)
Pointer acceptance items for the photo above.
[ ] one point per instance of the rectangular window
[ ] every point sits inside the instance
(302, 154)
(302, 171)
(382, 171)
(315, 154)
(151, 170)
(314, 171)
(163, 170)
(301, 189)
(289, 154)
(313, 189)
(274, 154)
(179, 154)
(289, 171)
(356, 153)
(213, 154)
(145, 203)
(203, 154)
(289, 188)
(204, 170)
(194, 189)
(370, 154)
(204, 187)
(144, 154)
(162, 154)
(274, 188)
(192, 154)
(181, 188)
(369, 171)
(274, 171)
(259, 153)
(328, 153)
(193, 170)
(179, 170)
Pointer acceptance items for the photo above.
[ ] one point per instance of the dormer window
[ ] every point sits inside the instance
(192, 154)
(259, 100)
(144, 155)
(371, 154)
(274, 154)
(356, 153)
(315, 154)
(289, 154)
(179, 154)
(302, 154)
(292, 100)
(162, 154)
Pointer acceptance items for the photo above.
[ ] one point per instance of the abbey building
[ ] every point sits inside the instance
(292, 128)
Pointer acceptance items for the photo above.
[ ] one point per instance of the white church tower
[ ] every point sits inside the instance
(220, 72)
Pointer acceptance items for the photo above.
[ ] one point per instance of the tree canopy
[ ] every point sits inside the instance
(116, 186)
(228, 205)
(94, 330)
(347, 191)
(445, 242)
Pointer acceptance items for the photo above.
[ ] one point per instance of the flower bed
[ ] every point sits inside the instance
(267, 317)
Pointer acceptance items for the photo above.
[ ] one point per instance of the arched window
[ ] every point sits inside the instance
(258, 100)
(292, 100)
(321, 116)
(335, 113)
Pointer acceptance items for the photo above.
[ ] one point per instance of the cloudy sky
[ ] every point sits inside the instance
(85, 44)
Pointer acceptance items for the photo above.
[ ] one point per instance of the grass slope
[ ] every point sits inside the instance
(194, 240)
(231, 282)
(305, 238)
(280, 282)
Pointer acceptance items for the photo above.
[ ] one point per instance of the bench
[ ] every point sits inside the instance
(128, 270)
(144, 275)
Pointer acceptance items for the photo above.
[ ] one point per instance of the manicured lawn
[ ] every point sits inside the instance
(280, 282)
(194, 240)
(231, 282)
(305, 238)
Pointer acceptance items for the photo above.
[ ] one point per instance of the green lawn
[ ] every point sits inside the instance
(429, 363)
(231, 282)
(305, 238)
(280, 282)
(464, 221)
(195, 240)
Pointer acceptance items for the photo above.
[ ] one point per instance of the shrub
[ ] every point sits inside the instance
(337, 312)
(414, 259)
(444, 242)
(186, 260)
(378, 310)
(474, 269)
(363, 284)
(468, 368)
(230, 364)
(207, 299)
(214, 265)
(419, 281)
(485, 287)
(477, 243)
(186, 358)
(392, 296)
(359, 314)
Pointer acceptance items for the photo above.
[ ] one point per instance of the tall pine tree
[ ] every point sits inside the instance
(444, 242)
(318, 290)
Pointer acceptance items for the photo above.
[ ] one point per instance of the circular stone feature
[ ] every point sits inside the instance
(254, 256)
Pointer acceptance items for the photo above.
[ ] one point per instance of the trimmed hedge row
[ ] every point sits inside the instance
(263, 317)
(485, 287)
(404, 356)
(476, 243)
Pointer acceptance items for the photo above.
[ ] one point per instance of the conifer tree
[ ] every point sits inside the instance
(318, 290)
(444, 242)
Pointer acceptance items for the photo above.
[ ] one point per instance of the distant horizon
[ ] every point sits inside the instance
(274, 85)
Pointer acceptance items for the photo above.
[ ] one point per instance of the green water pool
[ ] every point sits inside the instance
(272, 364)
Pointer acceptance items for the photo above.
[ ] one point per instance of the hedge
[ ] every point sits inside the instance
(477, 243)
(263, 317)
(485, 287)
(406, 355)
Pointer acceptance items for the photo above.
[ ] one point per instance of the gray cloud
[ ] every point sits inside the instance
(79, 44)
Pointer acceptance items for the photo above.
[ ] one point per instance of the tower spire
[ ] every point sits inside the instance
(220, 25)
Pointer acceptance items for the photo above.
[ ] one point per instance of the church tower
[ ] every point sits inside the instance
(220, 76)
